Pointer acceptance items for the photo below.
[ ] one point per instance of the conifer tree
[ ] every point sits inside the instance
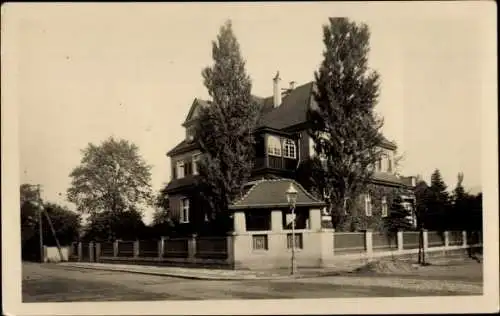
(439, 202)
(344, 126)
(225, 128)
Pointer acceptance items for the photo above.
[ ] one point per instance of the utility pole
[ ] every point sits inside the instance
(54, 234)
(40, 225)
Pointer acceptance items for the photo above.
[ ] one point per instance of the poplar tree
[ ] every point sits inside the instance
(225, 128)
(344, 126)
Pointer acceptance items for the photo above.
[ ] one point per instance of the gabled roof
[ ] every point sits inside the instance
(196, 103)
(271, 194)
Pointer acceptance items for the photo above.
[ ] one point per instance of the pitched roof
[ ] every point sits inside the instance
(183, 146)
(292, 110)
(177, 184)
(390, 178)
(271, 194)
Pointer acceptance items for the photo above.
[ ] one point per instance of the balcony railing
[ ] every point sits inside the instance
(275, 162)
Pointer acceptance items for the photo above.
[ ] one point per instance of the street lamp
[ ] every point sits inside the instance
(291, 197)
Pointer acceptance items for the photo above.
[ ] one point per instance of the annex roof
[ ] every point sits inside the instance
(270, 193)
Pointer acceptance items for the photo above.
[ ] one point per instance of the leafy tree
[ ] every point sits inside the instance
(225, 128)
(344, 126)
(66, 223)
(109, 226)
(112, 177)
(29, 212)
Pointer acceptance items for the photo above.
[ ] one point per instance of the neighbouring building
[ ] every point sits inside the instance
(282, 144)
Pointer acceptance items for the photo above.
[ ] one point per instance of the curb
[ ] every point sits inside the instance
(177, 275)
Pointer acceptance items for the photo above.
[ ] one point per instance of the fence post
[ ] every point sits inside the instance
(161, 246)
(333, 241)
(464, 238)
(400, 240)
(115, 248)
(425, 240)
(97, 251)
(136, 249)
(229, 250)
(80, 252)
(446, 239)
(192, 248)
(91, 251)
(369, 244)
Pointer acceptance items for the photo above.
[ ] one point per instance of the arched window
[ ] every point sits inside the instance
(289, 149)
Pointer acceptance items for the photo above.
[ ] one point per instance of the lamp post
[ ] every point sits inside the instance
(291, 196)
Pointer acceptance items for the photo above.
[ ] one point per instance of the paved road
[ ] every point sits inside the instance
(55, 283)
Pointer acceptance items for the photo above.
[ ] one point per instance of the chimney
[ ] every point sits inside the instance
(277, 90)
(292, 85)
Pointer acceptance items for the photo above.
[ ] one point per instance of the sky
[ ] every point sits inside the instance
(87, 72)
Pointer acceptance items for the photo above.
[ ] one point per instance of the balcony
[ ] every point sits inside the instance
(274, 162)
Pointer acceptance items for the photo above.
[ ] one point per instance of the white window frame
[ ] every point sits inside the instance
(180, 165)
(384, 207)
(184, 212)
(196, 158)
(274, 146)
(289, 149)
(368, 205)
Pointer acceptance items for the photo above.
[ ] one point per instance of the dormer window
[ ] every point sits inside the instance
(289, 149)
(190, 134)
(180, 167)
(196, 159)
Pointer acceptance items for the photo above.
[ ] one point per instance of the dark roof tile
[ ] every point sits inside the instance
(271, 193)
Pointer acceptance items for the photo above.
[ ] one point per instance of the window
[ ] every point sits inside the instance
(180, 169)
(196, 158)
(368, 205)
(190, 133)
(289, 149)
(184, 211)
(389, 164)
(379, 164)
(273, 146)
(188, 168)
(298, 241)
(174, 173)
(259, 242)
(384, 207)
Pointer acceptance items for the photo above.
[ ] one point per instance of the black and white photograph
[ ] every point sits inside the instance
(249, 158)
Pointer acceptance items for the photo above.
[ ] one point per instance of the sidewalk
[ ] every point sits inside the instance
(342, 269)
(198, 273)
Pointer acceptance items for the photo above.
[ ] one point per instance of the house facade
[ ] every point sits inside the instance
(282, 144)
